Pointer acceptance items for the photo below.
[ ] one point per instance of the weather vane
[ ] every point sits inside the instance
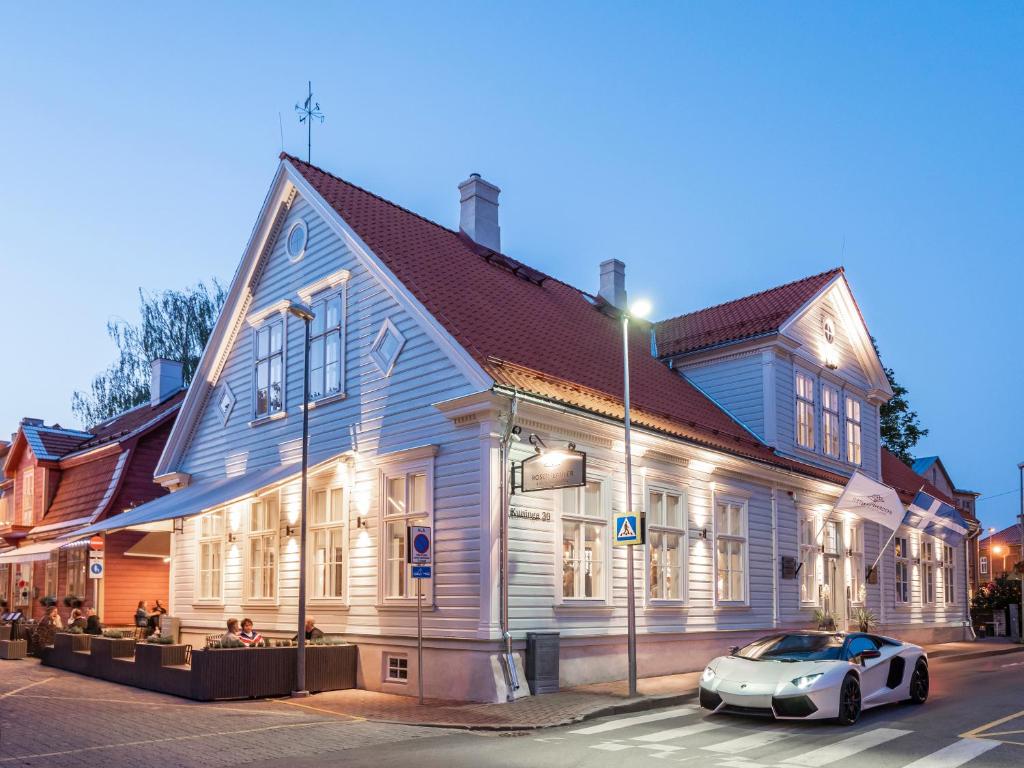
(308, 112)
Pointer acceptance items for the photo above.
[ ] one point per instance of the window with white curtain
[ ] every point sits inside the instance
(261, 548)
(856, 555)
(901, 551)
(327, 543)
(809, 549)
(210, 584)
(830, 420)
(584, 526)
(948, 565)
(407, 501)
(325, 348)
(666, 528)
(730, 550)
(853, 431)
(804, 411)
(927, 572)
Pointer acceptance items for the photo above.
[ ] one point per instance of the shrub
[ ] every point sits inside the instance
(48, 601)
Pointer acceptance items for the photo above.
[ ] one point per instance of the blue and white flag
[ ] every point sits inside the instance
(936, 518)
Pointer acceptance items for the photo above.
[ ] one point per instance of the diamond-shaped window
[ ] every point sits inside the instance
(225, 403)
(386, 347)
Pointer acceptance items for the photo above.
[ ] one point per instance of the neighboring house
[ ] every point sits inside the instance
(64, 480)
(932, 468)
(427, 342)
(998, 553)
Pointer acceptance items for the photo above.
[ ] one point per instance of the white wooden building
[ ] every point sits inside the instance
(747, 422)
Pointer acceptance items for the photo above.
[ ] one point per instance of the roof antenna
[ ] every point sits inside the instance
(308, 112)
(280, 126)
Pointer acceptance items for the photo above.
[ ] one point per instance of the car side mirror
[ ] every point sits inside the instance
(733, 649)
(865, 655)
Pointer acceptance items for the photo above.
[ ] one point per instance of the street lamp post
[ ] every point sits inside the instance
(304, 313)
(1020, 530)
(639, 310)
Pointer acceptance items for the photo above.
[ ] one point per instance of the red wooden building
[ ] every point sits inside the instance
(56, 481)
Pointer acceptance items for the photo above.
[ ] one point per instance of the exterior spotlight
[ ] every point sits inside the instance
(640, 309)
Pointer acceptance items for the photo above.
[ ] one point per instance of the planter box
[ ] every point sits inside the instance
(70, 642)
(5, 631)
(13, 649)
(153, 656)
(330, 667)
(112, 647)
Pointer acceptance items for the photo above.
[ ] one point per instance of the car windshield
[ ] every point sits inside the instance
(794, 648)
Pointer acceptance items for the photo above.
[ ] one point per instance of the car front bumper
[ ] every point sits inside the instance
(743, 699)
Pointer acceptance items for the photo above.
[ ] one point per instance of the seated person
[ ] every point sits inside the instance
(77, 619)
(312, 630)
(141, 614)
(153, 620)
(231, 636)
(92, 623)
(248, 635)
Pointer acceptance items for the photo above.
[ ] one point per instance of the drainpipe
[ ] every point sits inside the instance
(505, 492)
(775, 558)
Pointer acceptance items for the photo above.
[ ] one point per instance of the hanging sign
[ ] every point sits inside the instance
(420, 550)
(550, 470)
(628, 529)
(96, 543)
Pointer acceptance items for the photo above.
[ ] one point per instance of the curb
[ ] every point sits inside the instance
(976, 654)
(641, 704)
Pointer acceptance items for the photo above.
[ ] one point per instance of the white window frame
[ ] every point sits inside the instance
(831, 442)
(928, 571)
(77, 571)
(51, 582)
(854, 431)
(209, 538)
(396, 668)
(983, 564)
(809, 540)
(28, 496)
(855, 548)
(742, 539)
(334, 525)
(386, 363)
(567, 502)
(268, 537)
(393, 471)
(295, 258)
(325, 337)
(659, 527)
(901, 573)
(805, 411)
(5, 583)
(276, 319)
(947, 567)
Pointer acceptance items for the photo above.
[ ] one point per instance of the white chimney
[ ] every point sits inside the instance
(613, 283)
(165, 379)
(479, 215)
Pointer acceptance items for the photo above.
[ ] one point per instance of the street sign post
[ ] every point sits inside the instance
(420, 555)
(96, 564)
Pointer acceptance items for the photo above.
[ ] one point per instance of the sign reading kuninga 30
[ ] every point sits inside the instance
(550, 470)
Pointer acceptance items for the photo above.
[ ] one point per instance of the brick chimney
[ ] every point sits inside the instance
(478, 217)
(165, 379)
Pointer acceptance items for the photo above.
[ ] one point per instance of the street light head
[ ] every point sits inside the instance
(301, 311)
(640, 309)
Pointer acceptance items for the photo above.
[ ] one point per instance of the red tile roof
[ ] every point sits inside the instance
(131, 420)
(60, 443)
(1008, 536)
(82, 489)
(560, 346)
(756, 315)
(906, 481)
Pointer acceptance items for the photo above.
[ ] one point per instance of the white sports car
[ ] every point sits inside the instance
(815, 675)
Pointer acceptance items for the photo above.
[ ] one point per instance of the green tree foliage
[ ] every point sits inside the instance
(998, 594)
(173, 325)
(900, 427)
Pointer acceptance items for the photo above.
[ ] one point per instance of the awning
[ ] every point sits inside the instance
(156, 544)
(30, 552)
(199, 497)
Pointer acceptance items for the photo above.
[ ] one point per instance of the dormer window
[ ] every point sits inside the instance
(325, 348)
(853, 452)
(28, 490)
(830, 420)
(804, 411)
(269, 365)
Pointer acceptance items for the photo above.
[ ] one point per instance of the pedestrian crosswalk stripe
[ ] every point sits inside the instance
(626, 722)
(845, 748)
(611, 746)
(748, 742)
(955, 754)
(677, 733)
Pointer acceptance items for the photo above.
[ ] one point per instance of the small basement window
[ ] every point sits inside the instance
(397, 669)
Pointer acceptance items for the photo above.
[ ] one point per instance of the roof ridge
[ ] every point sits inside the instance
(833, 270)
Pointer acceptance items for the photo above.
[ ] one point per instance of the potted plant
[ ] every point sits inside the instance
(825, 620)
(48, 601)
(866, 620)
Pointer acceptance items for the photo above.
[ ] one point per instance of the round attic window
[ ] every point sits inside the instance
(830, 330)
(296, 243)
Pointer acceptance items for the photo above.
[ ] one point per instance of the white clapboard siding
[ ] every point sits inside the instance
(737, 384)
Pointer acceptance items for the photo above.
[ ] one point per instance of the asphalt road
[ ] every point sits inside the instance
(974, 717)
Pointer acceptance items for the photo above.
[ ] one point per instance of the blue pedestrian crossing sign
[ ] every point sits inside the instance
(628, 530)
(421, 571)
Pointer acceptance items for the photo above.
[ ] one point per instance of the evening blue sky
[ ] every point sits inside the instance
(718, 149)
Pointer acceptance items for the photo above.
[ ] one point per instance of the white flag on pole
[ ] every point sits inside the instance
(871, 500)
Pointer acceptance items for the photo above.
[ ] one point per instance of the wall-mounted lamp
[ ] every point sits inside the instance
(179, 525)
(361, 522)
(849, 552)
(289, 530)
(703, 533)
(232, 537)
(917, 561)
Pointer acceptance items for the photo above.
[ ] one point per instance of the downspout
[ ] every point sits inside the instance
(504, 473)
(775, 558)
(967, 587)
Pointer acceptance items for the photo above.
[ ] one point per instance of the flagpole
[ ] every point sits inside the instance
(880, 553)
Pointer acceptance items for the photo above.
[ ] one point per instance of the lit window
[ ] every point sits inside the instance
(983, 564)
(211, 556)
(407, 501)
(269, 366)
(50, 584)
(853, 431)
(902, 552)
(856, 549)
(584, 523)
(666, 525)
(386, 347)
(28, 489)
(830, 420)
(398, 669)
(327, 537)
(76, 571)
(805, 411)
(262, 548)
(5, 583)
(809, 549)
(731, 551)
(325, 348)
(948, 570)
(927, 572)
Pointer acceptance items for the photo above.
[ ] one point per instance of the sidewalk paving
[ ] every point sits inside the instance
(565, 707)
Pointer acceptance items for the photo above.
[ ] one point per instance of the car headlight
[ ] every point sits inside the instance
(806, 681)
(708, 676)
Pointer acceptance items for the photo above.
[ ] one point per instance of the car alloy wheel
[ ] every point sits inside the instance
(919, 683)
(849, 701)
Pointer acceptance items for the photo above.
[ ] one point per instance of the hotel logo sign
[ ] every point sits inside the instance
(550, 470)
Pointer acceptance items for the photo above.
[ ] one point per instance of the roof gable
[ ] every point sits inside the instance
(906, 481)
